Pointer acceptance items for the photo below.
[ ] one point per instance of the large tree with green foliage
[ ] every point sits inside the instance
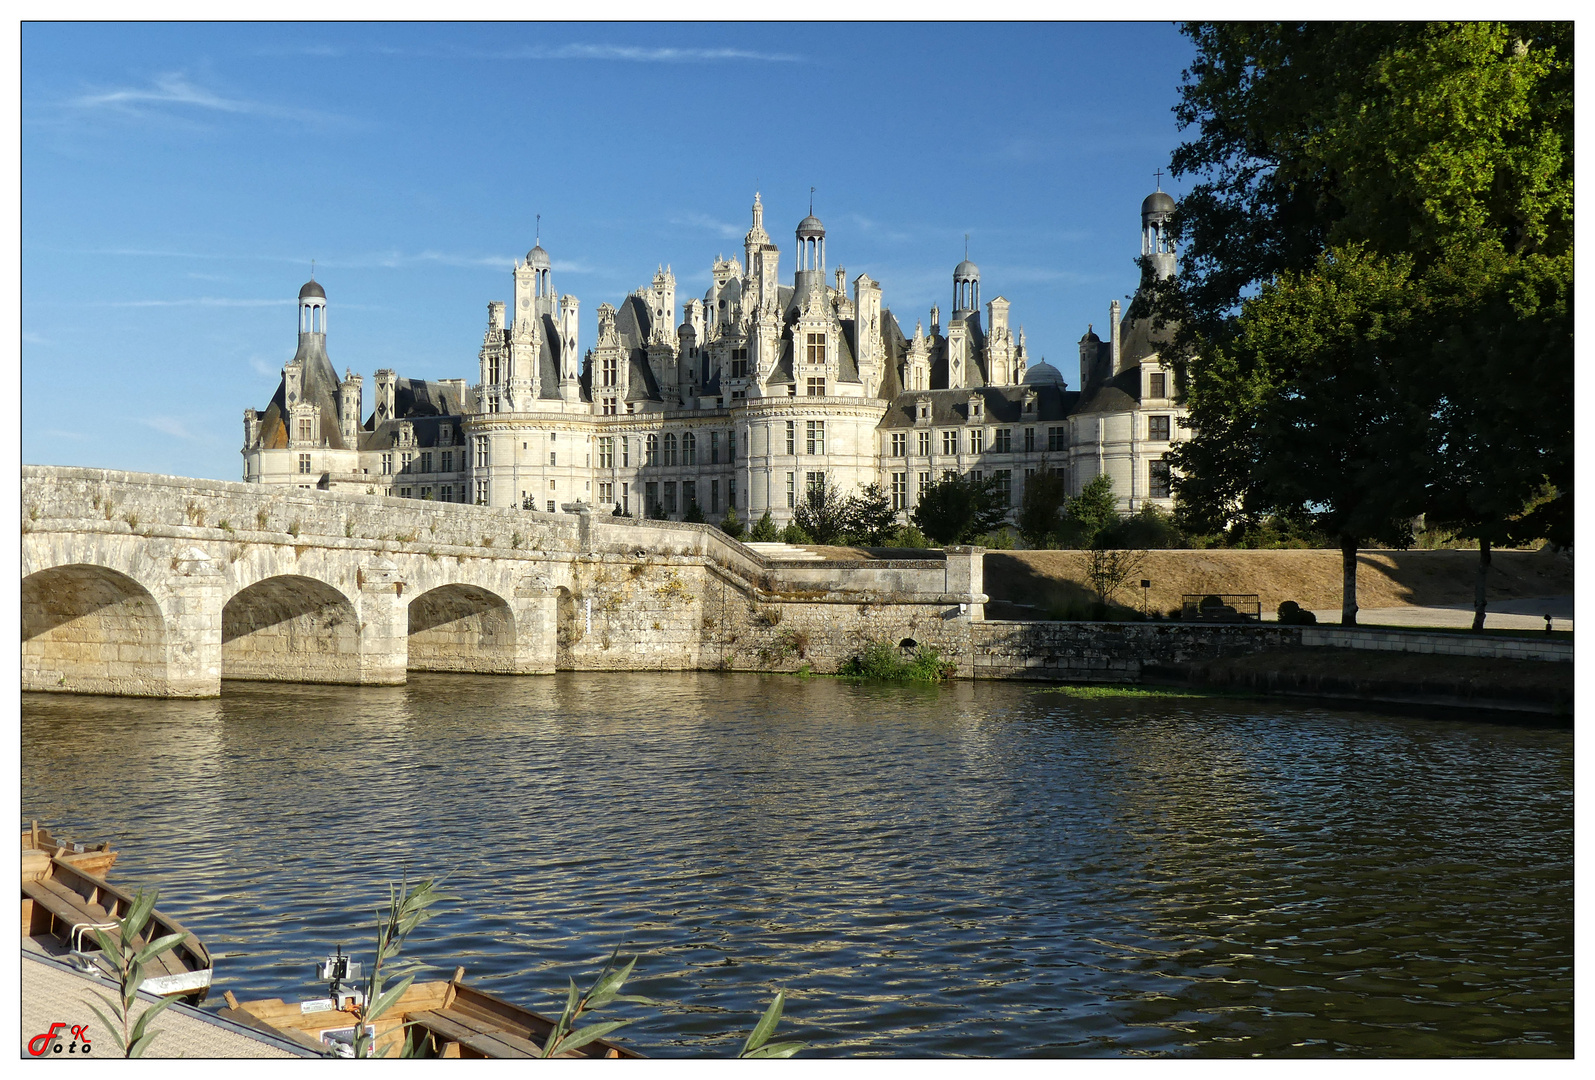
(956, 509)
(1404, 193)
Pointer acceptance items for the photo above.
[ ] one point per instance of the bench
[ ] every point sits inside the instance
(81, 916)
(447, 1025)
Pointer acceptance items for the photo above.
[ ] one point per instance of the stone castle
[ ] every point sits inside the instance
(763, 391)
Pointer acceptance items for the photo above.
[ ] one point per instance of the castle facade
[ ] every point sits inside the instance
(764, 390)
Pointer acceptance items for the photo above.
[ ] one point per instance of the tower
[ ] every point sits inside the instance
(966, 288)
(1156, 244)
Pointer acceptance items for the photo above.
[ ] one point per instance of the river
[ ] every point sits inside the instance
(988, 869)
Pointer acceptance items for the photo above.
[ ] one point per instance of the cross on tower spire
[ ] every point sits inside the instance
(539, 228)
(312, 269)
(1159, 175)
(811, 202)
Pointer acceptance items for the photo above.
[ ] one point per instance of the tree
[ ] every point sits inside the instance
(732, 525)
(764, 530)
(871, 521)
(1107, 569)
(1333, 157)
(1039, 507)
(694, 512)
(955, 509)
(822, 513)
(1095, 509)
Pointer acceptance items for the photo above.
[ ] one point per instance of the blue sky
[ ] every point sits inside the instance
(177, 181)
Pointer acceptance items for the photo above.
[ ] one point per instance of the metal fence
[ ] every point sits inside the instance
(1221, 607)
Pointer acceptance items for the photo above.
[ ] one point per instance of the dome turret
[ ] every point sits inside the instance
(312, 288)
(810, 227)
(1159, 202)
(537, 259)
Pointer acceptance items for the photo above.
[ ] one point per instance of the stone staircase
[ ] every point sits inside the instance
(771, 551)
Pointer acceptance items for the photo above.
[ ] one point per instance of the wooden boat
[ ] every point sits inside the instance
(457, 1021)
(62, 903)
(95, 859)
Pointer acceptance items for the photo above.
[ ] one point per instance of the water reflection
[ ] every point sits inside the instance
(981, 869)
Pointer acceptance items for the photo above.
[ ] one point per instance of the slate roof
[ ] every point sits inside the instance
(318, 386)
(1002, 405)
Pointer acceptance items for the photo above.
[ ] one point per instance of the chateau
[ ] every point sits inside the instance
(763, 391)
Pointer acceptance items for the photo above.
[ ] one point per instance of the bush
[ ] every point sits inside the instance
(907, 536)
(883, 660)
(1293, 614)
(1004, 539)
(1149, 527)
(732, 525)
(764, 530)
(956, 508)
(694, 513)
(795, 534)
(1039, 507)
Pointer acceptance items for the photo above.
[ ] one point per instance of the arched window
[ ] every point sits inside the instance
(670, 449)
(653, 451)
(689, 448)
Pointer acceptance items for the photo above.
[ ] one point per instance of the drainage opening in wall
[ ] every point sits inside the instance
(908, 643)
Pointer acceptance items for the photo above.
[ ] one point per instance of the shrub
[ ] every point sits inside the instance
(732, 525)
(956, 508)
(1149, 527)
(1039, 507)
(694, 513)
(1004, 539)
(1293, 614)
(795, 534)
(907, 536)
(764, 530)
(883, 660)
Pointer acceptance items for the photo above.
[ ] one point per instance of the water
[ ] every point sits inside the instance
(980, 869)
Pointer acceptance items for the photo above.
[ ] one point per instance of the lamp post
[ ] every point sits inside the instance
(1146, 585)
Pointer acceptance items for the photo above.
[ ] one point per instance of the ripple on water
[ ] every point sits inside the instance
(970, 870)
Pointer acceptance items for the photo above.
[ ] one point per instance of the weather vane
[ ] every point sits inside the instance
(539, 228)
(811, 202)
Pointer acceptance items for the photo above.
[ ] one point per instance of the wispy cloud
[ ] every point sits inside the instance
(704, 221)
(59, 434)
(174, 93)
(198, 301)
(168, 425)
(629, 54)
(30, 338)
(263, 367)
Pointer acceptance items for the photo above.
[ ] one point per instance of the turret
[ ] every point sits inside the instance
(1157, 246)
(349, 409)
(387, 384)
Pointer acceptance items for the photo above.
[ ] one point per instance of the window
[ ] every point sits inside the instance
(387, 464)
(791, 491)
(552, 484)
(481, 492)
(739, 363)
(899, 444)
(791, 389)
(651, 497)
(1158, 480)
(1030, 440)
(815, 442)
(445, 436)
(492, 402)
(304, 463)
(816, 350)
(1157, 427)
(714, 496)
(448, 461)
(652, 452)
(714, 448)
(492, 369)
(609, 375)
(791, 436)
(625, 452)
(977, 440)
(609, 406)
(814, 487)
(670, 448)
(551, 507)
(426, 461)
(606, 492)
(404, 493)
(899, 491)
(447, 493)
(731, 492)
(405, 459)
(553, 458)
(1030, 404)
(670, 496)
(1057, 439)
(1002, 441)
(949, 442)
(631, 408)
(1004, 478)
(606, 452)
(924, 482)
(738, 395)
(306, 432)
(924, 444)
(731, 446)
(689, 448)
(481, 451)
(1160, 385)
(426, 493)
(977, 475)
(689, 493)
(816, 387)
(625, 498)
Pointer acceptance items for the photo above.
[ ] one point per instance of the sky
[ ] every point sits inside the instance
(178, 179)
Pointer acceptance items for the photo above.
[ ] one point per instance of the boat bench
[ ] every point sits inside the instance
(74, 911)
(447, 1025)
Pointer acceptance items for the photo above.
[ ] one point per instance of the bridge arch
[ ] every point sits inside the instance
(291, 628)
(92, 630)
(460, 627)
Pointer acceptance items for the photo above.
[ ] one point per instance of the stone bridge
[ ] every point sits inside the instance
(163, 586)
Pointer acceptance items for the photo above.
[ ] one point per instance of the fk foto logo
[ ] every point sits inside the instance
(50, 1040)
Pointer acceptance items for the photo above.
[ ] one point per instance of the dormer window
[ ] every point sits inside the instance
(816, 348)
